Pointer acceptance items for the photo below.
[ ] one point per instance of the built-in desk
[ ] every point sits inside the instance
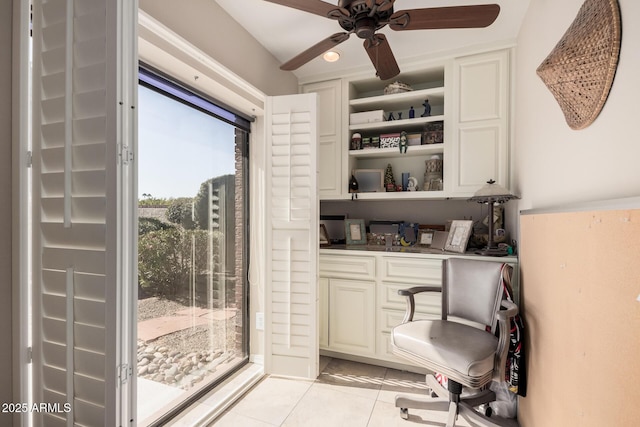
(359, 301)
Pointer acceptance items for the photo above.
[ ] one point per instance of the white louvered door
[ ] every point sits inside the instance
(292, 236)
(84, 77)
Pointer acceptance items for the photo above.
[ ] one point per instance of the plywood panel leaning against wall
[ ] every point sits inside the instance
(580, 284)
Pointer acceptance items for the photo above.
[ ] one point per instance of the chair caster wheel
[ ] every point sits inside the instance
(404, 413)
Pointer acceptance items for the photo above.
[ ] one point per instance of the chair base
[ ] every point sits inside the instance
(465, 405)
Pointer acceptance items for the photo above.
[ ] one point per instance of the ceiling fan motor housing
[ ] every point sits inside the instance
(364, 17)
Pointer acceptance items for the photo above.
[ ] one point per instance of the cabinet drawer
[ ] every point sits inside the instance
(415, 271)
(426, 302)
(348, 267)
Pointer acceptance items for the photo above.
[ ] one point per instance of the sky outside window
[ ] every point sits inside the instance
(179, 147)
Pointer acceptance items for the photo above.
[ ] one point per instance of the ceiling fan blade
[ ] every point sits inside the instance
(434, 18)
(315, 50)
(384, 4)
(382, 57)
(316, 7)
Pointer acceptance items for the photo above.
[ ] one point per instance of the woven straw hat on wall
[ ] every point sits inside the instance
(579, 71)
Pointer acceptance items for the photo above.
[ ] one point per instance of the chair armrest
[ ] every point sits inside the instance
(417, 289)
(510, 310)
(411, 302)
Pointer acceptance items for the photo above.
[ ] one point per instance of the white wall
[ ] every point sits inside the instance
(554, 164)
(5, 207)
(206, 25)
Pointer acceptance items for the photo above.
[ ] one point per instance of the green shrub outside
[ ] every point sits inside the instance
(148, 224)
(180, 212)
(169, 258)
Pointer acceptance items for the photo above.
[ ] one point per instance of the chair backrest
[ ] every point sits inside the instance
(472, 290)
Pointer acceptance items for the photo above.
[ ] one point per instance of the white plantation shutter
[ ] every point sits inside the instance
(83, 94)
(292, 241)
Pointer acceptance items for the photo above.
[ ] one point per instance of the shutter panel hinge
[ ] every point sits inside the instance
(124, 373)
(126, 155)
(29, 159)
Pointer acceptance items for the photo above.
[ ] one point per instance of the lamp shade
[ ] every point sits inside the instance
(492, 192)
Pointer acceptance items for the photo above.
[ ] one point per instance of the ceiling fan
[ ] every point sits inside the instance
(365, 17)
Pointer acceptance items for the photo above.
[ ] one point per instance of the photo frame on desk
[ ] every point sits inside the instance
(439, 239)
(324, 237)
(425, 237)
(459, 236)
(355, 232)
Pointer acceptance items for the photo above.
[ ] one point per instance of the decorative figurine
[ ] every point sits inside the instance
(427, 108)
(389, 181)
(403, 142)
(413, 184)
(353, 187)
(400, 115)
(391, 117)
(356, 141)
(412, 113)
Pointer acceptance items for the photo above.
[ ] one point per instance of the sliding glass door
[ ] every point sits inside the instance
(192, 251)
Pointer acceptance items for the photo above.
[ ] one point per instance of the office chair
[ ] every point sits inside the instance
(472, 291)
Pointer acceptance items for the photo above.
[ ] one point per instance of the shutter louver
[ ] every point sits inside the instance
(292, 344)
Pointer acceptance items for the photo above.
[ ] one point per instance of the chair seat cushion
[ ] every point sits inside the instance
(440, 343)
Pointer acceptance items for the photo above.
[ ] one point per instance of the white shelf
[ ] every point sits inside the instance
(403, 195)
(404, 124)
(399, 101)
(412, 150)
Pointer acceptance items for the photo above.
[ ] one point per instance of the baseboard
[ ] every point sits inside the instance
(374, 361)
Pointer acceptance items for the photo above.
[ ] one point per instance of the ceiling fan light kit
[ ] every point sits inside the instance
(365, 17)
(331, 56)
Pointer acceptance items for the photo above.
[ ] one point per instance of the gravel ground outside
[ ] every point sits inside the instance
(185, 357)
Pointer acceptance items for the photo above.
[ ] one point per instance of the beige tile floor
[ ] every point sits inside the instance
(346, 394)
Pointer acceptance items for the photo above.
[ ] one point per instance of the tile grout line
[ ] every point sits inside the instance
(375, 401)
(298, 402)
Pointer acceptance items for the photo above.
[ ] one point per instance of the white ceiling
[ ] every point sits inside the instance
(286, 32)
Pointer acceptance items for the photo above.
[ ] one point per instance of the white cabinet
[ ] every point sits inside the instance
(480, 147)
(331, 182)
(352, 316)
(359, 301)
(347, 284)
(470, 95)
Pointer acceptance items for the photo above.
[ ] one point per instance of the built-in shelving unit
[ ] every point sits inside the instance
(469, 95)
(368, 95)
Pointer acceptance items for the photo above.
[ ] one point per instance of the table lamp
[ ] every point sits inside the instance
(492, 193)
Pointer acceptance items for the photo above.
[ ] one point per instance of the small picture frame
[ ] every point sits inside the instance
(324, 237)
(425, 238)
(459, 236)
(355, 232)
(439, 239)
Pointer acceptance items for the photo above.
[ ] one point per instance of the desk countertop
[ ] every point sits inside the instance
(414, 251)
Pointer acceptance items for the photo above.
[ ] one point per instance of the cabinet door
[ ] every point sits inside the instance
(481, 139)
(323, 312)
(330, 155)
(352, 316)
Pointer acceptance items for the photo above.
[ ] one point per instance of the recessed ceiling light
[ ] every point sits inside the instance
(331, 56)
